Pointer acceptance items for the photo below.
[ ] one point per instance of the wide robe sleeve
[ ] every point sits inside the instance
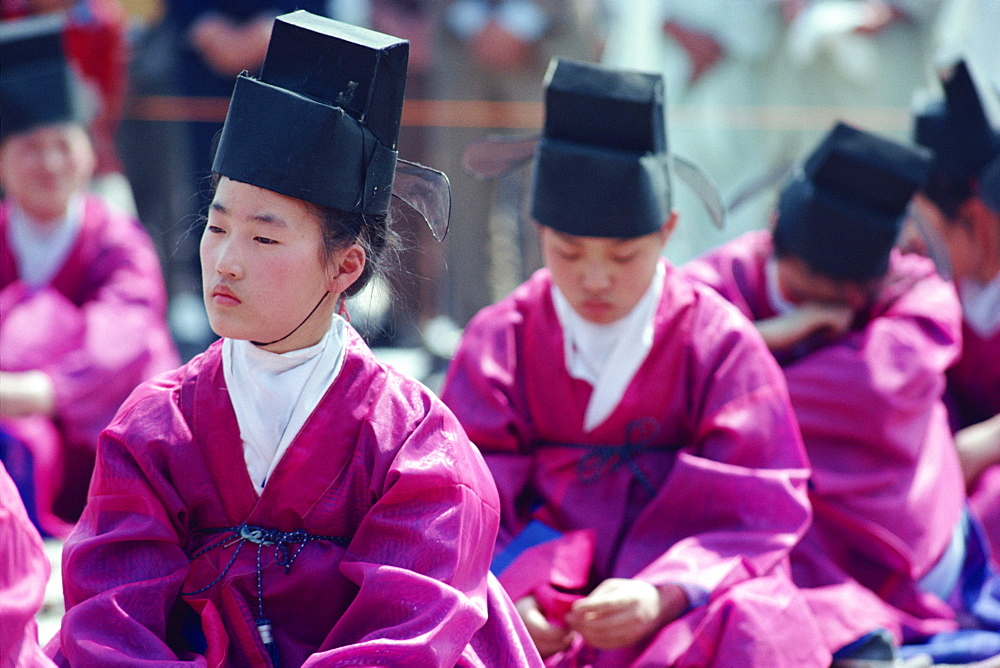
(484, 388)
(125, 554)
(420, 555)
(736, 495)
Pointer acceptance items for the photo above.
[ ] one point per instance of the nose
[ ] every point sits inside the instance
(224, 257)
(595, 277)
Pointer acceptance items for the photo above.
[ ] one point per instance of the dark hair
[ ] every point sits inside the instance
(948, 193)
(374, 234)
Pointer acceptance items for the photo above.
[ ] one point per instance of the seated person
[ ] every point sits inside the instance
(284, 498)
(632, 420)
(82, 298)
(864, 335)
(961, 204)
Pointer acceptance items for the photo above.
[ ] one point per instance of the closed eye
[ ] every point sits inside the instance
(265, 241)
(214, 229)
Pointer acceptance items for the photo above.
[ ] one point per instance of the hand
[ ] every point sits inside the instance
(548, 637)
(978, 448)
(620, 612)
(25, 393)
(230, 48)
(788, 329)
(501, 50)
(703, 50)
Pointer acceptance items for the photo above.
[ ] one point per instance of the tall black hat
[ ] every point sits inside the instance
(601, 165)
(963, 131)
(843, 210)
(37, 85)
(322, 122)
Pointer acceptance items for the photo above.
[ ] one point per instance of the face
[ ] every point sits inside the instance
(958, 235)
(798, 284)
(42, 168)
(263, 268)
(603, 279)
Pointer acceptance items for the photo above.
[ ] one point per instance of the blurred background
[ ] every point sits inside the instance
(751, 84)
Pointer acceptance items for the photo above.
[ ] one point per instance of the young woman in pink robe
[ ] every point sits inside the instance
(285, 498)
(82, 298)
(864, 335)
(639, 419)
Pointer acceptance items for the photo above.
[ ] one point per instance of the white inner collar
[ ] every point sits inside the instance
(41, 249)
(608, 356)
(273, 394)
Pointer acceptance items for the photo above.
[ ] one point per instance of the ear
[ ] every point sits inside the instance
(669, 226)
(346, 266)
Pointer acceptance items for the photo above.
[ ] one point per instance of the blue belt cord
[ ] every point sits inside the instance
(639, 434)
(282, 540)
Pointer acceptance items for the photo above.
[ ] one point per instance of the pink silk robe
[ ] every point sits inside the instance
(24, 570)
(886, 487)
(712, 432)
(98, 329)
(380, 462)
(974, 388)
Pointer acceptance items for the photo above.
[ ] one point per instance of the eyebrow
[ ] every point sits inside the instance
(263, 216)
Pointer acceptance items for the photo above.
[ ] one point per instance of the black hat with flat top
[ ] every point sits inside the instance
(322, 122)
(601, 167)
(37, 84)
(843, 210)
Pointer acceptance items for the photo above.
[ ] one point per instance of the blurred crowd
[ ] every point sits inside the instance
(750, 84)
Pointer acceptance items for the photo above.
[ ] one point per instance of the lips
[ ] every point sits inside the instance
(223, 296)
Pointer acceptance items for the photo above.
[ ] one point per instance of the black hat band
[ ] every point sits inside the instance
(324, 156)
(599, 192)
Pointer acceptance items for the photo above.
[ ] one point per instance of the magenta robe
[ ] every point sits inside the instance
(709, 491)
(974, 389)
(98, 329)
(380, 464)
(24, 570)
(886, 488)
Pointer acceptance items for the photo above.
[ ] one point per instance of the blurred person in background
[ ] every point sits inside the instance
(82, 299)
(961, 207)
(96, 44)
(865, 335)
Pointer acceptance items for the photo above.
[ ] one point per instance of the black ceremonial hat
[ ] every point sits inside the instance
(322, 122)
(961, 130)
(37, 85)
(842, 212)
(601, 167)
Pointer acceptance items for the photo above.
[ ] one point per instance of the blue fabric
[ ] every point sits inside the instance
(977, 605)
(534, 534)
(20, 465)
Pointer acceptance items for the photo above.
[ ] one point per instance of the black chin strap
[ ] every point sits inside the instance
(264, 345)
